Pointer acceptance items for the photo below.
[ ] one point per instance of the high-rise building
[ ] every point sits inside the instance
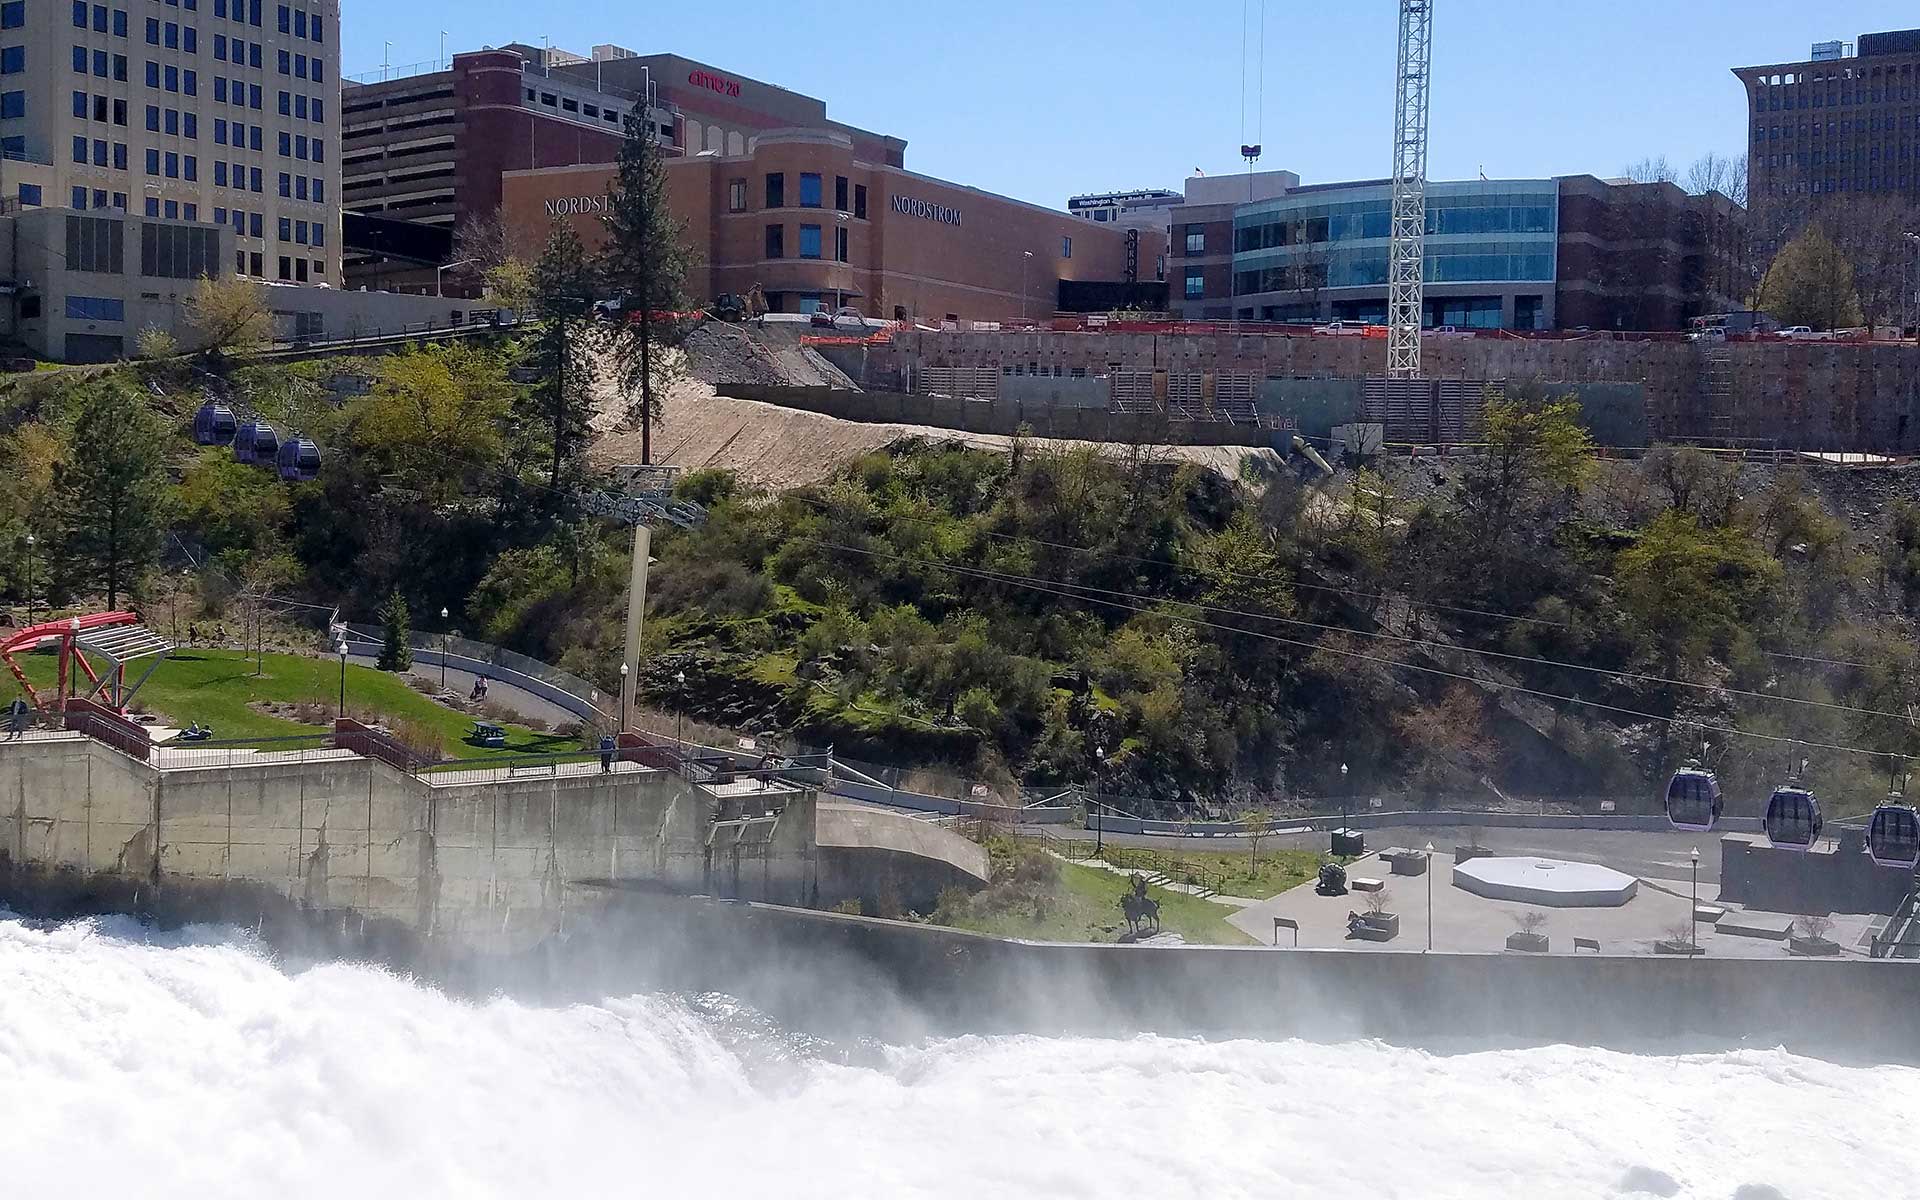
(222, 112)
(1837, 121)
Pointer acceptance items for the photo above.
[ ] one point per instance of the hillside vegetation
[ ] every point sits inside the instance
(1526, 621)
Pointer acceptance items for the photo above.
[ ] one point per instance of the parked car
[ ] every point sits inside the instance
(1342, 329)
(1446, 331)
(1798, 333)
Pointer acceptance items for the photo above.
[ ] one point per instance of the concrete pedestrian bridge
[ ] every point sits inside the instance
(1547, 881)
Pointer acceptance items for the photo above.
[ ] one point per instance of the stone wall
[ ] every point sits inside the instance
(1802, 395)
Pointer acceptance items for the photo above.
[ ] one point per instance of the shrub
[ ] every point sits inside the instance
(421, 738)
(851, 908)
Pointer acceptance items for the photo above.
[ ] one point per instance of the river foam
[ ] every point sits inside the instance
(192, 1065)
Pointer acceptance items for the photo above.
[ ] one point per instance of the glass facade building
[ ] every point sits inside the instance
(1490, 246)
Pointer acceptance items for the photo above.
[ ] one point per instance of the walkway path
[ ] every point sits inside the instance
(523, 704)
(1158, 879)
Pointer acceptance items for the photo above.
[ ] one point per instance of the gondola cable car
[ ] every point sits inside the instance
(1893, 834)
(299, 459)
(257, 444)
(1693, 798)
(1793, 817)
(214, 424)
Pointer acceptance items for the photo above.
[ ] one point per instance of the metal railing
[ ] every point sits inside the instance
(477, 327)
(1899, 926)
(228, 752)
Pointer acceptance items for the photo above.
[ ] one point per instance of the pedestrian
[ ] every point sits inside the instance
(606, 753)
(16, 717)
(193, 635)
(219, 635)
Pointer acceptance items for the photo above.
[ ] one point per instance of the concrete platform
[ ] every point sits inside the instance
(1772, 926)
(1545, 881)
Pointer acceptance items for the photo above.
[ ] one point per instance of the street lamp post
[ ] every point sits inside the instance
(446, 646)
(1429, 897)
(1344, 801)
(443, 269)
(1099, 823)
(1693, 918)
(680, 712)
(1026, 260)
(623, 697)
(341, 650)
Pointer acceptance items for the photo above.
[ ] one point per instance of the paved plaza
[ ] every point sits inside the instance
(1468, 923)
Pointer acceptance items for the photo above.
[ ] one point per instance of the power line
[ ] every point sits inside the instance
(1050, 588)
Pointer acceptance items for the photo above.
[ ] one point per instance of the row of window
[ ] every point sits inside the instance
(302, 66)
(80, 194)
(173, 165)
(172, 209)
(104, 109)
(240, 93)
(299, 145)
(171, 121)
(300, 24)
(13, 16)
(245, 12)
(592, 112)
(810, 193)
(13, 59)
(1892, 124)
(243, 136)
(776, 243)
(171, 35)
(1368, 268)
(293, 270)
(95, 153)
(1771, 100)
(172, 78)
(1820, 158)
(302, 107)
(236, 51)
(1443, 219)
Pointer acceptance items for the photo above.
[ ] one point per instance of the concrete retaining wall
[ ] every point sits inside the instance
(853, 975)
(485, 863)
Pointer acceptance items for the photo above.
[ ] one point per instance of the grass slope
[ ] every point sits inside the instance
(216, 687)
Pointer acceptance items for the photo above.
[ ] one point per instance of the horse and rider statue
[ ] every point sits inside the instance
(1140, 908)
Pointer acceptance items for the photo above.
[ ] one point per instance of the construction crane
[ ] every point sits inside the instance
(1406, 253)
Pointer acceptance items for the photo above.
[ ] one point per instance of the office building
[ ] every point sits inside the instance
(218, 112)
(1517, 254)
(803, 216)
(1845, 120)
(1145, 208)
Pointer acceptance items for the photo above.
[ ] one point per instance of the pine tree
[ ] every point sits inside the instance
(396, 650)
(563, 290)
(645, 262)
(109, 497)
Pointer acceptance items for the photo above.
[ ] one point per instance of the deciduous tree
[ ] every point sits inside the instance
(1810, 282)
(231, 316)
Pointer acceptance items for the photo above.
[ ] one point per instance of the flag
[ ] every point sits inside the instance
(1198, 171)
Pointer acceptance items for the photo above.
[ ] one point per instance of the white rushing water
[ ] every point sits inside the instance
(190, 1065)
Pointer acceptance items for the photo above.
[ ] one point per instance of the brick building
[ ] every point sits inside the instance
(804, 216)
(430, 148)
(1836, 121)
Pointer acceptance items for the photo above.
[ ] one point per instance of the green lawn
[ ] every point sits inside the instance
(1229, 873)
(215, 687)
(1048, 900)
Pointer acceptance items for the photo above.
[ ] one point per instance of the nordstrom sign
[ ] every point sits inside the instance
(908, 206)
(570, 206)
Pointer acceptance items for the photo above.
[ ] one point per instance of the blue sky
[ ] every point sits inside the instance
(1043, 99)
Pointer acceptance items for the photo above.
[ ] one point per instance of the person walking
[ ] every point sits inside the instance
(17, 718)
(606, 753)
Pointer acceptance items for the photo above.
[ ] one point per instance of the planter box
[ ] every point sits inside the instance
(1407, 862)
(1666, 947)
(1532, 943)
(1349, 843)
(1813, 947)
(1378, 927)
(1468, 853)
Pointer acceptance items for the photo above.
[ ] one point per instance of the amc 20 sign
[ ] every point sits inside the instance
(908, 206)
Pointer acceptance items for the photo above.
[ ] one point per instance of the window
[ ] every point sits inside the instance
(253, 55)
(153, 31)
(253, 179)
(79, 58)
(190, 82)
(79, 198)
(319, 234)
(172, 208)
(860, 201)
(153, 206)
(119, 22)
(119, 68)
(809, 239)
(173, 36)
(190, 40)
(13, 147)
(13, 14)
(120, 201)
(286, 104)
(319, 191)
(153, 162)
(285, 62)
(286, 144)
(286, 267)
(219, 173)
(1066, 247)
(190, 125)
(30, 195)
(313, 28)
(286, 187)
(95, 308)
(286, 229)
(254, 225)
(736, 193)
(153, 74)
(300, 23)
(840, 193)
(809, 190)
(776, 241)
(220, 130)
(300, 107)
(300, 187)
(568, 104)
(219, 89)
(840, 244)
(120, 112)
(190, 168)
(220, 46)
(319, 155)
(170, 252)
(776, 194)
(253, 98)
(95, 244)
(14, 104)
(253, 13)
(119, 156)
(286, 19)
(80, 150)
(190, 211)
(254, 136)
(79, 105)
(173, 164)
(100, 109)
(255, 271)
(1196, 283)
(173, 122)
(79, 14)
(318, 114)
(1196, 239)
(99, 18)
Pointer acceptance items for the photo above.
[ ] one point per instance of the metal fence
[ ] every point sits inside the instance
(504, 664)
(230, 752)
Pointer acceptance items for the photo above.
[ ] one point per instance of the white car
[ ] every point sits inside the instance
(1798, 333)
(1342, 329)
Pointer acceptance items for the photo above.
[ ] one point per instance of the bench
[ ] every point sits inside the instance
(1360, 883)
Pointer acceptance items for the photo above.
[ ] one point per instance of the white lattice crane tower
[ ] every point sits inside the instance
(1406, 254)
